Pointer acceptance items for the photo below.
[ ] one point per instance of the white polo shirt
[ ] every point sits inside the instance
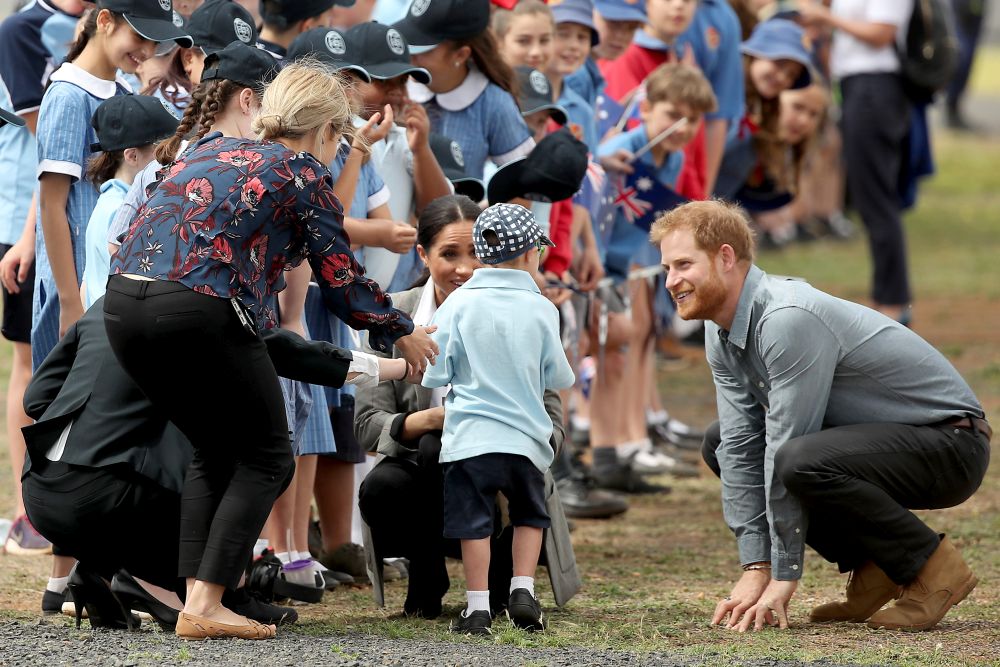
(850, 55)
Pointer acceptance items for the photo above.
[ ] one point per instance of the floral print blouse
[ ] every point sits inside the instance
(231, 215)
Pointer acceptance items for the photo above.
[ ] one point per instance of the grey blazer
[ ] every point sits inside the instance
(377, 407)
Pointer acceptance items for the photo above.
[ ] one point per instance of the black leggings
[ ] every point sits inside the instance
(214, 380)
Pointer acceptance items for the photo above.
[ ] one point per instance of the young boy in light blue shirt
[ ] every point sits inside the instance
(500, 350)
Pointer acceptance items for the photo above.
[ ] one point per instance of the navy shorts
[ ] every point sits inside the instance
(471, 487)
(16, 324)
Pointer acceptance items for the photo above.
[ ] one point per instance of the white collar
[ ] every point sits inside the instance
(427, 306)
(457, 99)
(81, 78)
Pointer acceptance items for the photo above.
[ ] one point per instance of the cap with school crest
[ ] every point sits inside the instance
(151, 19)
(430, 22)
(449, 157)
(242, 64)
(290, 12)
(504, 232)
(383, 52)
(131, 121)
(534, 93)
(329, 46)
(8, 118)
(219, 22)
(621, 10)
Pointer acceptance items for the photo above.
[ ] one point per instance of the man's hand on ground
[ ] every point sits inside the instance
(743, 596)
(771, 608)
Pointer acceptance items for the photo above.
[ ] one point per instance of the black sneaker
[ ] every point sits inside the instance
(477, 623)
(622, 478)
(581, 501)
(524, 611)
(52, 602)
(245, 604)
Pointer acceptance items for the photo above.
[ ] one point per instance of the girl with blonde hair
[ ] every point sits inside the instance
(189, 289)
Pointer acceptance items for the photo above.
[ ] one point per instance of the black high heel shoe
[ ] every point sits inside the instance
(135, 597)
(90, 592)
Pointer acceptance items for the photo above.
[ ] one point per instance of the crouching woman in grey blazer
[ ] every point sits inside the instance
(401, 499)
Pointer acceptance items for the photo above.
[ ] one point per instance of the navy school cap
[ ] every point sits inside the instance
(289, 12)
(781, 39)
(621, 10)
(552, 171)
(219, 22)
(449, 157)
(130, 121)
(151, 19)
(383, 52)
(8, 118)
(534, 93)
(577, 11)
(430, 22)
(504, 232)
(242, 64)
(329, 46)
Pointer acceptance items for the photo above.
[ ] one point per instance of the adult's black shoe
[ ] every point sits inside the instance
(476, 623)
(245, 604)
(525, 611)
(136, 598)
(622, 478)
(92, 593)
(580, 500)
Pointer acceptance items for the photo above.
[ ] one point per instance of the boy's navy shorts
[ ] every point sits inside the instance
(470, 490)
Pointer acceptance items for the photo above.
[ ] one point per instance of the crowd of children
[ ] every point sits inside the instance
(583, 120)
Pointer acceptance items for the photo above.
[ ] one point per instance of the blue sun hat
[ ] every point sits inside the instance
(781, 39)
(621, 10)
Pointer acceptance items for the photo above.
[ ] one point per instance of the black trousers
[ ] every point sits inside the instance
(876, 123)
(194, 361)
(858, 484)
(107, 518)
(403, 503)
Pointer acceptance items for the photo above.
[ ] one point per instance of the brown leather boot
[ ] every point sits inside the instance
(943, 582)
(867, 590)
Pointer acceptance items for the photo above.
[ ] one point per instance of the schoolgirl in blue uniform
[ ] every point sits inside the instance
(469, 97)
(118, 35)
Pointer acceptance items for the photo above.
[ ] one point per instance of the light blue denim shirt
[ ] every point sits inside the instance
(798, 360)
(500, 350)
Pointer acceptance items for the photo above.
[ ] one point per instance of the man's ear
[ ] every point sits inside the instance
(728, 257)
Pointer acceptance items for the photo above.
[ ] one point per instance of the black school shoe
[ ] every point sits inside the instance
(477, 623)
(244, 603)
(52, 602)
(525, 611)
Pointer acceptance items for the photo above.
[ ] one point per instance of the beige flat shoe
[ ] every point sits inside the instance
(196, 628)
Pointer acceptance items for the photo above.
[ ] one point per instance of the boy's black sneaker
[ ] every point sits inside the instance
(525, 611)
(52, 602)
(476, 623)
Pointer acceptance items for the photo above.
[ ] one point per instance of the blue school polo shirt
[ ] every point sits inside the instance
(500, 351)
(481, 117)
(25, 65)
(738, 161)
(581, 114)
(64, 139)
(588, 82)
(95, 275)
(667, 173)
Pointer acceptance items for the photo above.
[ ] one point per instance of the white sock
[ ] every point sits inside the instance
(284, 557)
(300, 555)
(57, 584)
(477, 601)
(523, 582)
(627, 449)
(580, 423)
(656, 416)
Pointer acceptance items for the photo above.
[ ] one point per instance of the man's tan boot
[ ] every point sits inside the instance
(943, 582)
(867, 590)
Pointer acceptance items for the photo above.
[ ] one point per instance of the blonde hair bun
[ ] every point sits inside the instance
(304, 97)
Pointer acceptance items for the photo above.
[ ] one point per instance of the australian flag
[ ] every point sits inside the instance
(638, 199)
(609, 112)
(595, 195)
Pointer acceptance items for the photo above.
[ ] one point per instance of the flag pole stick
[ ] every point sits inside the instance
(660, 137)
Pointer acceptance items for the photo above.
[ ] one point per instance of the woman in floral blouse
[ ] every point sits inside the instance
(187, 294)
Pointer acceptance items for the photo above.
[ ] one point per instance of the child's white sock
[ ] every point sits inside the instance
(523, 582)
(57, 584)
(284, 557)
(477, 601)
(300, 555)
